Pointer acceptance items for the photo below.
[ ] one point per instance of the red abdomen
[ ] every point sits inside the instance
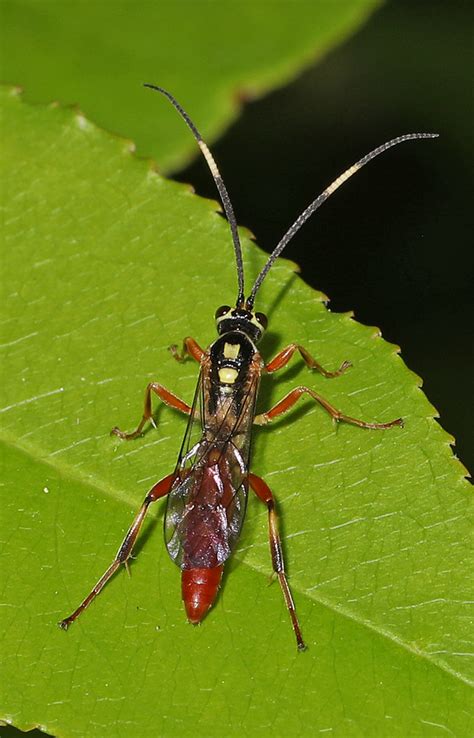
(199, 589)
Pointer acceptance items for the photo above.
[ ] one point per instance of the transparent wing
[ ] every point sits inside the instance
(206, 505)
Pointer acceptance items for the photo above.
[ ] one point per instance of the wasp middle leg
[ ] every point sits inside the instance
(191, 348)
(165, 396)
(292, 398)
(160, 489)
(263, 492)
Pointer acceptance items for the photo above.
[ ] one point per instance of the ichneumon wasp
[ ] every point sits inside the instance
(207, 491)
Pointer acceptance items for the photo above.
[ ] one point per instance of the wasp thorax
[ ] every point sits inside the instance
(240, 319)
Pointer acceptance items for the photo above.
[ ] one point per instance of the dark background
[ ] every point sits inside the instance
(395, 243)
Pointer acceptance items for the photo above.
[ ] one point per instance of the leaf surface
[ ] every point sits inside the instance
(107, 264)
(212, 55)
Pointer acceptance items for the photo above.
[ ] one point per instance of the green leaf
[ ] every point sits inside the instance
(106, 265)
(213, 55)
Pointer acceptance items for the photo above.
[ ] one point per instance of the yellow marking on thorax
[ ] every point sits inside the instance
(231, 350)
(227, 375)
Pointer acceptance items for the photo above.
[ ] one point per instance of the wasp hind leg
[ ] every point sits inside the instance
(165, 396)
(125, 551)
(264, 493)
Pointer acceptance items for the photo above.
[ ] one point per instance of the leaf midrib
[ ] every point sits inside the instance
(95, 483)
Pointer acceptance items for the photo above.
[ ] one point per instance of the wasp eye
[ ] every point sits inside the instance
(222, 311)
(262, 319)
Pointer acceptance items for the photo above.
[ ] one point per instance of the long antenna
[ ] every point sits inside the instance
(319, 201)
(224, 195)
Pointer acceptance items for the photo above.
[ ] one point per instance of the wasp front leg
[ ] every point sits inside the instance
(165, 396)
(263, 492)
(190, 348)
(282, 359)
(292, 398)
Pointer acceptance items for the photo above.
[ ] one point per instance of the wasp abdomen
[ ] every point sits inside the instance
(199, 589)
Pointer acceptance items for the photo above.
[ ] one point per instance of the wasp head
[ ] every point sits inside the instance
(240, 319)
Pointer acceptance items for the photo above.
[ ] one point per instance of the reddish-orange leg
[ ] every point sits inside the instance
(189, 347)
(282, 359)
(166, 396)
(125, 551)
(292, 397)
(263, 492)
(159, 490)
